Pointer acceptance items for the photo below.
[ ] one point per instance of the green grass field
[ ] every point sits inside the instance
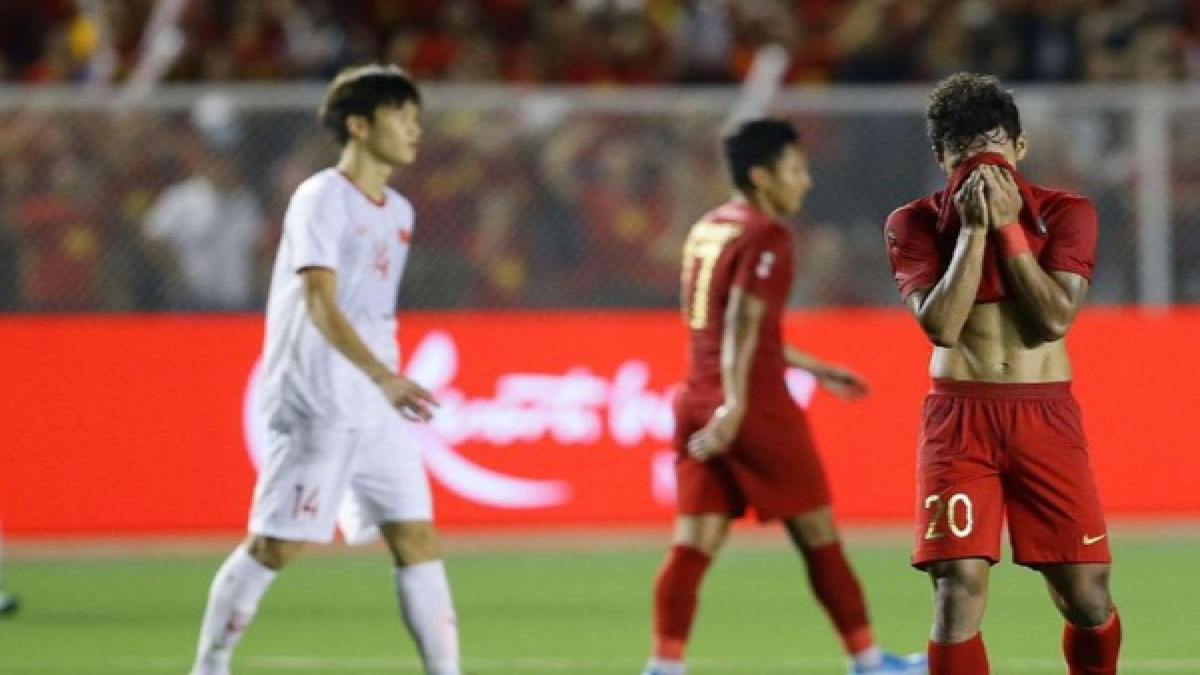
(560, 609)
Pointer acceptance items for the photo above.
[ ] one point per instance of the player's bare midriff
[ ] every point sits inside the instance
(998, 345)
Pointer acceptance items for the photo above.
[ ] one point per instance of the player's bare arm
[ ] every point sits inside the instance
(839, 380)
(320, 296)
(743, 316)
(1050, 300)
(943, 309)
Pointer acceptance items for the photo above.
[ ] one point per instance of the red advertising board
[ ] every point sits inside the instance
(137, 424)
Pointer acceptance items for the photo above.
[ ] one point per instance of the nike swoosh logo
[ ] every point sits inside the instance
(1088, 541)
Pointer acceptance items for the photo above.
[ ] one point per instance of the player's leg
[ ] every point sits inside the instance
(833, 582)
(707, 500)
(780, 473)
(391, 490)
(696, 541)
(959, 596)
(1092, 635)
(295, 500)
(423, 593)
(835, 585)
(234, 596)
(1058, 526)
(786, 480)
(960, 515)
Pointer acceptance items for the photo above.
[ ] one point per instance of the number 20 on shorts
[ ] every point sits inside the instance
(954, 514)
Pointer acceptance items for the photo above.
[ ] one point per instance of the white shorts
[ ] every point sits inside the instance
(315, 478)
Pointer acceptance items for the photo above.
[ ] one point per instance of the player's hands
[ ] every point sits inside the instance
(971, 202)
(716, 436)
(410, 399)
(842, 382)
(1003, 196)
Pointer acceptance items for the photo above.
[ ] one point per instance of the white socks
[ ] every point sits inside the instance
(871, 657)
(232, 601)
(660, 666)
(428, 611)
(237, 588)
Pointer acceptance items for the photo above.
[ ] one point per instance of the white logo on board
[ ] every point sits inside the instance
(574, 408)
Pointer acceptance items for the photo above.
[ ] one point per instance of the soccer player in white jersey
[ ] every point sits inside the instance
(340, 447)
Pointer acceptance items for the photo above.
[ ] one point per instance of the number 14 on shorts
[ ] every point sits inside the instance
(953, 514)
(304, 502)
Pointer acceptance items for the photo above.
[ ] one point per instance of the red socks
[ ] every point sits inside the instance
(960, 658)
(829, 573)
(1093, 651)
(1089, 651)
(675, 597)
(838, 591)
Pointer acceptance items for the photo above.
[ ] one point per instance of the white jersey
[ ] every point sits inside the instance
(330, 223)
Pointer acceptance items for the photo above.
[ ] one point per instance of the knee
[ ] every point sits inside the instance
(813, 529)
(1090, 612)
(960, 594)
(1086, 602)
(413, 543)
(709, 545)
(706, 534)
(957, 583)
(273, 553)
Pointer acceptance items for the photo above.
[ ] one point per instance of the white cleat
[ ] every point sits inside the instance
(894, 664)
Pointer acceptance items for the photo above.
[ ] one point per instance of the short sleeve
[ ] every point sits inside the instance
(314, 227)
(760, 268)
(1071, 246)
(912, 250)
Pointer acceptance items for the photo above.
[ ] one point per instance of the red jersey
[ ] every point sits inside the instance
(735, 246)
(920, 245)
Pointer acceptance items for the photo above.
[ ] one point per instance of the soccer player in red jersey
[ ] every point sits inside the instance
(742, 441)
(995, 270)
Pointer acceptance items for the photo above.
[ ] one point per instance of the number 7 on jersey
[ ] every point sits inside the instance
(700, 253)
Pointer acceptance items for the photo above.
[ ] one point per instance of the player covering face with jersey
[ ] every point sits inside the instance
(741, 442)
(995, 269)
(341, 451)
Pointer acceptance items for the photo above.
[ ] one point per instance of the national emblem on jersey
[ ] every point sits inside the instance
(765, 262)
(383, 260)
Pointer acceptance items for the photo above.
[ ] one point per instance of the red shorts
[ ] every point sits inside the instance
(772, 465)
(989, 448)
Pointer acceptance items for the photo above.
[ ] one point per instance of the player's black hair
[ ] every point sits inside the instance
(360, 90)
(966, 106)
(754, 143)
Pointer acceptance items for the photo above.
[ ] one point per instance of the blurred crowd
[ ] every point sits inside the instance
(607, 42)
(173, 209)
(548, 200)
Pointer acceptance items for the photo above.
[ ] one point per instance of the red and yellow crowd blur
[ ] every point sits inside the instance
(614, 42)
